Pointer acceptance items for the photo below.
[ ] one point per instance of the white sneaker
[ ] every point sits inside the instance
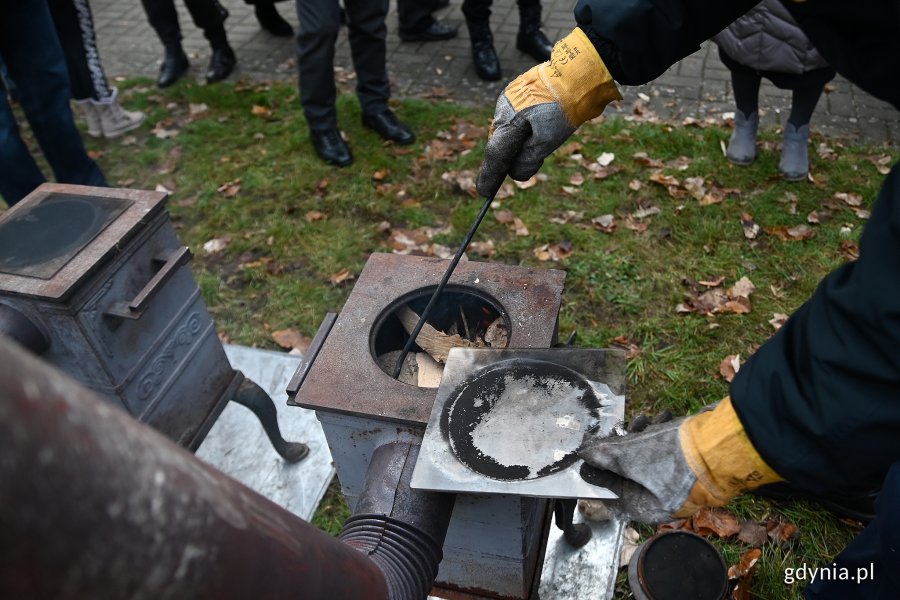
(91, 117)
(115, 120)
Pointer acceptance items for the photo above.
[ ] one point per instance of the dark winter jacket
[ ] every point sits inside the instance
(820, 400)
(768, 39)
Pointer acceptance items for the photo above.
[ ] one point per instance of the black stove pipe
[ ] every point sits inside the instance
(19, 328)
(401, 529)
(95, 505)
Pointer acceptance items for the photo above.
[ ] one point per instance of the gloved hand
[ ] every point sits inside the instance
(542, 107)
(669, 470)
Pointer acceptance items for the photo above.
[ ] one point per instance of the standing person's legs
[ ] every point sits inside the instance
(806, 91)
(484, 56)
(163, 18)
(19, 173)
(415, 23)
(210, 15)
(269, 19)
(320, 21)
(530, 39)
(40, 75)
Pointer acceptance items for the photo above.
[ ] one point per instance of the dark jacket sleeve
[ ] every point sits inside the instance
(639, 39)
(820, 400)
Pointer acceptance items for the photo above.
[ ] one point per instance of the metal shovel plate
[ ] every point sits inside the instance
(511, 421)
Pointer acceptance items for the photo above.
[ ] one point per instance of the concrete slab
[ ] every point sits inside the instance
(238, 446)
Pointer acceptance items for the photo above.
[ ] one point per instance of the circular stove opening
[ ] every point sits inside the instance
(465, 317)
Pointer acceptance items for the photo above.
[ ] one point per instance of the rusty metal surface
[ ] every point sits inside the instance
(142, 204)
(525, 432)
(345, 378)
(309, 356)
(95, 505)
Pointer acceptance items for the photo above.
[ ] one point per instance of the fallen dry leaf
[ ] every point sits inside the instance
(635, 185)
(553, 252)
(713, 282)
(751, 229)
(462, 181)
(715, 520)
(630, 543)
(642, 158)
(483, 249)
(341, 276)
(743, 572)
(520, 228)
(504, 216)
(882, 163)
(849, 249)
(291, 339)
(315, 215)
(576, 178)
(566, 217)
(643, 213)
(663, 179)
(792, 234)
(605, 159)
(529, 183)
(604, 223)
(777, 320)
(631, 349)
(730, 366)
(742, 288)
(783, 534)
(849, 198)
(695, 187)
(230, 189)
(753, 533)
(261, 111)
(381, 174)
(216, 245)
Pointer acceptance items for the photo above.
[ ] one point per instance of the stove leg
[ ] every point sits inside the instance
(576, 534)
(255, 398)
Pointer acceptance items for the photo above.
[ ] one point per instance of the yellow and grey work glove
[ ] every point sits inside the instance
(669, 470)
(541, 108)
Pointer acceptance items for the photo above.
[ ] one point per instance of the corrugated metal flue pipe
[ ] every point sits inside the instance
(95, 505)
(401, 529)
(19, 328)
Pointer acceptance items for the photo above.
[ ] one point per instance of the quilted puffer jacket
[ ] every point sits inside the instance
(768, 39)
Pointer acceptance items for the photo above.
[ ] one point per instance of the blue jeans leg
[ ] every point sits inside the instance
(19, 174)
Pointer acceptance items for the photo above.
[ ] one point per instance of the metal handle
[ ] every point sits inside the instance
(136, 307)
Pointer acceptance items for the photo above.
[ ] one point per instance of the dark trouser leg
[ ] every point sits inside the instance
(75, 27)
(414, 16)
(803, 103)
(163, 19)
(40, 76)
(209, 16)
(873, 554)
(477, 10)
(745, 84)
(19, 174)
(369, 51)
(319, 24)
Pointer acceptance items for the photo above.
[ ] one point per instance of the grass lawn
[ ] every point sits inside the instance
(637, 237)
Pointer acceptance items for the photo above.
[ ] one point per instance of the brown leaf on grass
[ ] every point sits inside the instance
(504, 216)
(742, 288)
(416, 241)
(461, 181)
(507, 190)
(567, 216)
(849, 249)
(716, 300)
(381, 174)
(216, 245)
(570, 148)
(571, 190)
(663, 179)
(529, 183)
(291, 339)
(743, 572)
(792, 234)
(817, 217)
(783, 534)
(553, 252)
(315, 215)
(599, 172)
(677, 525)
(520, 228)
(715, 520)
(730, 366)
(383, 227)
(576, 178)
(643, 213)
(849, 198)
(825, 152)
(631, 349)
(604, 223)
(881, 162)
(341, 276)
(751, 229)
(753, 533)
(642, 158)
(483, 249)
(261, 111)
(230, 189)
(635, 225)
(696, 187)
(713, 282)
(777, 320)
(634, 185)
(165, 129)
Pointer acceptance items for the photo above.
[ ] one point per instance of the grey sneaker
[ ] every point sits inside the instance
(89, 114)
(742, 147)
(115, 120)
(794, 165)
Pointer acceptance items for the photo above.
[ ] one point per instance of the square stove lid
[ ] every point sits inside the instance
(60, 233)
(511, 421)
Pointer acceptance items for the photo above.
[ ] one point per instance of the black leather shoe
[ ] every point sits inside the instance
(331, 147)
(174, 65)
(271, 21)
(221, 64)
(389, 127)
(484, 57)
(534, 43)
(435, 32)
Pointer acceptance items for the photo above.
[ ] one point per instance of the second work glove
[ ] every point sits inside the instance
(541, 108)
(670, 470)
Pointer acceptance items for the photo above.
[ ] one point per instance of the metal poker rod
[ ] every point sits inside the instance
(440, 287)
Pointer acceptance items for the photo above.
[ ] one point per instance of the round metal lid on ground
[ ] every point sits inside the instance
(520, 419)
(678, 565)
